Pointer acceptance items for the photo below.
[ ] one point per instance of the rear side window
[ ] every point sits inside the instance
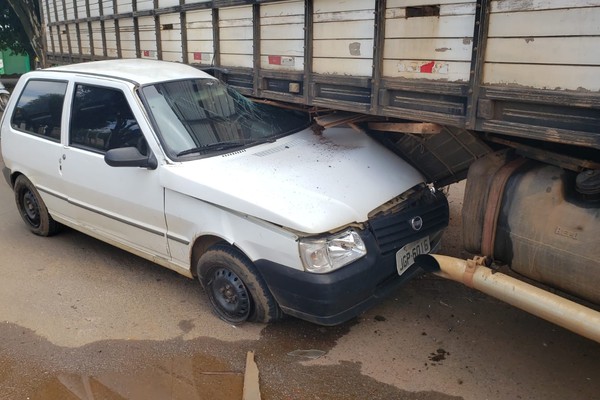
(39, 109)
(102, 120)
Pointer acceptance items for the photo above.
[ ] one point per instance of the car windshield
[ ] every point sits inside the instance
(198, 117)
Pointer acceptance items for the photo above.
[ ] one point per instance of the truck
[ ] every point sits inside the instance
(505, 94)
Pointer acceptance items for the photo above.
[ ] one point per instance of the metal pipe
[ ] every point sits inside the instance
(558, 310)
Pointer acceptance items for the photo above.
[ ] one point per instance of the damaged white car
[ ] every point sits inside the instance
(168, 163)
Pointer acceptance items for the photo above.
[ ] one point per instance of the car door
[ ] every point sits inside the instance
(33, 145)
(122, 204)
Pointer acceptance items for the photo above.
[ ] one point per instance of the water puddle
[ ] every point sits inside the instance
(204, 368)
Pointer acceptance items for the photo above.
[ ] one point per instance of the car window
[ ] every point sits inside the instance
(39, 109)
(102, 120)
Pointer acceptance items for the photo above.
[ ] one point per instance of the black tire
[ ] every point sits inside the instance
(32, 208)
(234, 287)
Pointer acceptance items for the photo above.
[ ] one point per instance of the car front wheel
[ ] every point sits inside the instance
(234, 287)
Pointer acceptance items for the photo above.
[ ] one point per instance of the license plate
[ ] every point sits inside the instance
(405, 257)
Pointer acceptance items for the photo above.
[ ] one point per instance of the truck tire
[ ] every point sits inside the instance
(32, 208)
(234, 287)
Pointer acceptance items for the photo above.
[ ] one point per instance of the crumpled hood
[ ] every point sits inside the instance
(307, 182)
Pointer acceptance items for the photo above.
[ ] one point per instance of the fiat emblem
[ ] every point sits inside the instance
(416, 223)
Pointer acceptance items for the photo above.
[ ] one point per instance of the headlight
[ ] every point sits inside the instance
(330, 253)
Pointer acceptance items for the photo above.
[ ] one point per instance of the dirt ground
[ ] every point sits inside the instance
(80, 319)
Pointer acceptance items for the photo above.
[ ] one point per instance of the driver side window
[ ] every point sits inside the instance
(102, 120)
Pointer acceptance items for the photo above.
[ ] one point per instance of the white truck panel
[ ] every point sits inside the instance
(539, 44)
(145, 5)
(84, 32)
(97, 42)
(127, 38)
(124, 6)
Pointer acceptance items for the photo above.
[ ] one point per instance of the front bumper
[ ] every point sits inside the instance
(335, 297)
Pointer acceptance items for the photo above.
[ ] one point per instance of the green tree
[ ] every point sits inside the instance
(21, 28)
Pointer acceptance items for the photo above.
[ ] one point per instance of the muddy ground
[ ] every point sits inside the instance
(80, 319)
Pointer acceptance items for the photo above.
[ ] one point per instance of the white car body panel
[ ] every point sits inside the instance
(308, 183)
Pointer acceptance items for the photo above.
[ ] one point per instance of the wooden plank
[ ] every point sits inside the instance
(341, 66)
(236, 47)
(143, 5)
(570, 22)
(282, 9)
(451, 71)
(237, 60)
(532, 5)
(237, 33)
(295, 64)
(574, 50)
(328, 6)
(283, 47)
(85, 39)
(235, 13)
(458, 9)
(343, 48)
(290, 19)
(418, 128)
(344, 30)
(94, 10)
(124, 6)
(167, 3)
(107, 7)
(430, 27)
(412, 3)
(554, 77)
(197, 19)
(251, 379)
(344, 16)
(340, 118)
(199, 35)
(283, 32)
(439, 49)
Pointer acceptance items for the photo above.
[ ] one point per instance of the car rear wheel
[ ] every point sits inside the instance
(32, 208)
(234, 287)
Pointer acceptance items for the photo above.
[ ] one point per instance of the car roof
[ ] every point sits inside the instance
(136, 70)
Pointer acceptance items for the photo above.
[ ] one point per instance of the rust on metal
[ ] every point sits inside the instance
(493, 205)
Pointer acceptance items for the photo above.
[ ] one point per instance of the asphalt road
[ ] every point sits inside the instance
(80, 319)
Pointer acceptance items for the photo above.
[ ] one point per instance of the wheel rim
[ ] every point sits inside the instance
(229, 295)
(31, 208)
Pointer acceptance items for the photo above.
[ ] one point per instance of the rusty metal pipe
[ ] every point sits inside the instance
(558, 310)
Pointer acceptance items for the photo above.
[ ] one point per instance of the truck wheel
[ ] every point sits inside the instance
(32, 208)
(235, 289)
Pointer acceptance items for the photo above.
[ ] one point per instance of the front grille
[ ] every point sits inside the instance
(393, 230)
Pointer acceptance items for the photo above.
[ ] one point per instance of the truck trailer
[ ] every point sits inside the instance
(503, 93)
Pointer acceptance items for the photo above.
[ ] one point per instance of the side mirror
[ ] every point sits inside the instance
(130, 157)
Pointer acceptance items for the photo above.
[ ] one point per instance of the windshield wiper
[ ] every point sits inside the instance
(226, 145)
(214, 146)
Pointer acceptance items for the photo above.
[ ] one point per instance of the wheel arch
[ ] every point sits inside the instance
(202, 244)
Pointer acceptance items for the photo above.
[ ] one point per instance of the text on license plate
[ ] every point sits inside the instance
(405, 257)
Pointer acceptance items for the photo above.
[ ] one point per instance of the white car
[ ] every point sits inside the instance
(169, 163)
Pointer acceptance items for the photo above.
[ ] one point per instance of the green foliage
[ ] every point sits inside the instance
(12, 33)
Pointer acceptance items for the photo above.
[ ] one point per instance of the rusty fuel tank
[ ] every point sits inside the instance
(530, 216)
